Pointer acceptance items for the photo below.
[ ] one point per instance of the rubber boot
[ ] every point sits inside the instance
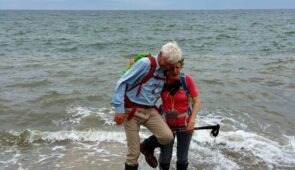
(181, 166)
(147, 148)
(164, 166)
(129, 167)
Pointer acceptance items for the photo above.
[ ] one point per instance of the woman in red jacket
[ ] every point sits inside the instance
(180, 112)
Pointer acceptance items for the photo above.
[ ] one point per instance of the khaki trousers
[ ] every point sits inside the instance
(151, 119)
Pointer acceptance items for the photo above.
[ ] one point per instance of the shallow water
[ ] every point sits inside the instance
(59, 69)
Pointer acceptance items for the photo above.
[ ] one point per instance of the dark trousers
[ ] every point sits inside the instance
(183, 142)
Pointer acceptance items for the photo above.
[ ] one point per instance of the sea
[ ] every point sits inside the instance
(59, 69)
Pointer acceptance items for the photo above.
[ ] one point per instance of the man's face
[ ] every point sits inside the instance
(164, 63)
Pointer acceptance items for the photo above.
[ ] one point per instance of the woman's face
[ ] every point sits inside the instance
(175, 69)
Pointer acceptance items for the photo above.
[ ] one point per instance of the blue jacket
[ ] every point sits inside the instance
(150, 91)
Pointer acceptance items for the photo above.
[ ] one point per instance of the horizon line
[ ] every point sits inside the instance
(147, 9)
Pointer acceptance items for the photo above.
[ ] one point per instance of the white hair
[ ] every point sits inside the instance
(171, 52)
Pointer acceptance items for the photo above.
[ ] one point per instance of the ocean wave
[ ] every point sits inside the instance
(30, 136)
(251, 146)
(235, 141)
(289, 33)
(225, 36)
(78, 113)
(224, 151)
(96, 45)
(213, 81)
(55, 99)
(33, 84)
(68, 49)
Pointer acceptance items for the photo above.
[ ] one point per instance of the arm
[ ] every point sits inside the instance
(132, 76)
(191, 124)
(194, 93)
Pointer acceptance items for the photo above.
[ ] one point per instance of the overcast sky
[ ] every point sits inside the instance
(146, 4)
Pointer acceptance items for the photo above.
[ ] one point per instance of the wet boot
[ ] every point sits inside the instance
(129, 167)
(181, 166)
(147, 148)
(164, 166)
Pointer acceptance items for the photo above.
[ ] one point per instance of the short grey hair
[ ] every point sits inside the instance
(171, 52)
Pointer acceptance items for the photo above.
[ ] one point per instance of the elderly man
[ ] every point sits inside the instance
(135, 97)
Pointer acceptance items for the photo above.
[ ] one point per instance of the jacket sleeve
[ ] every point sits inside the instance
(192, 87)
(130, 78)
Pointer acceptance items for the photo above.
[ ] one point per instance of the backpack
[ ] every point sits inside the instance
(134, 60)
(149, 74)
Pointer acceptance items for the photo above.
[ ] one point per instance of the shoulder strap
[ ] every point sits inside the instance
(148, 76)
(183, 83)
(150, 73)
(185, 88)
(152, 69)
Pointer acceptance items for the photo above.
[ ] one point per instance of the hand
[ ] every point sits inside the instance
(119, 118)
(190, 126)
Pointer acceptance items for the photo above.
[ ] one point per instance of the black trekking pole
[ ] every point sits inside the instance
(214, 129)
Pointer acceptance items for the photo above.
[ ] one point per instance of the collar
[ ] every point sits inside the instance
(158, 66)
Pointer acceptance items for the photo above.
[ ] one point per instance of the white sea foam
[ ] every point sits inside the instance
(212, 151)
(13, 159)
(242, 141)
(81, 136)
(80, 112)
(271, 152)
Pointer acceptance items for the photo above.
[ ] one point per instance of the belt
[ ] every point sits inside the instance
(134, 106)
